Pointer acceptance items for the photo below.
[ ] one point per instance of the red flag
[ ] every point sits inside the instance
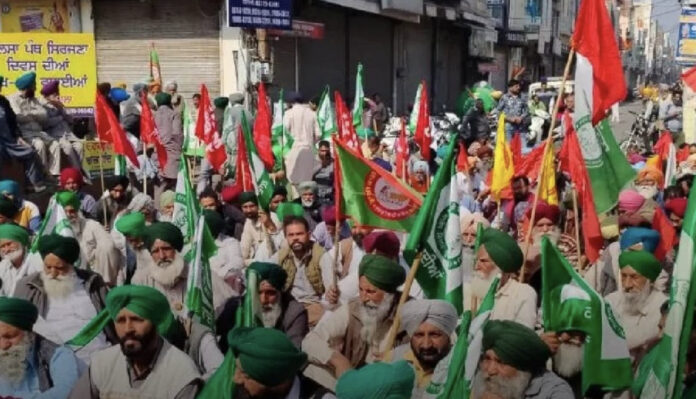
(683, 154)
(206, 130)
(668, 235)
(344, 119)
(149, 134)
(530, 165)
(599, 73)
(689, 78)
(462, 159)
(402, 153)
(243, 177)
(109, 130)
(516, 148)
(571, 157)
(422, 134)
(262, 130)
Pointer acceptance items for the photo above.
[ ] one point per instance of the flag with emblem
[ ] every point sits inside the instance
(186, 206)
(325, 115)
(263, 185)
(345, 128)
(436, 238)
(605, 350)
(199, 288)
(155, 70)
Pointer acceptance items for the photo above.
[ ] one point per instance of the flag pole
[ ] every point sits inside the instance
(101, 175)
(144, 174)
(396, 325)
(577, 225)
(549, 142)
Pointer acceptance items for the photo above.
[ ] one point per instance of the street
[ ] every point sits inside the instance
(623, 127)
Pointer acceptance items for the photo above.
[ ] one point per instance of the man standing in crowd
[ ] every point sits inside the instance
(301, 123)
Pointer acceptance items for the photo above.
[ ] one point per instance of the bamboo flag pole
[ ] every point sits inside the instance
(396, 326)
(577, 225)
(144, 171)
(549, 142)
(101, 175)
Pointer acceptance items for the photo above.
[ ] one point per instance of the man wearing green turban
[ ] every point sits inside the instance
(278, 309)
(132, 226)
(30, 365)
(144, 364)
(359, 328)
(513, 365)
(377, 381)
(17, 262)
(499, 256)
(637, 302)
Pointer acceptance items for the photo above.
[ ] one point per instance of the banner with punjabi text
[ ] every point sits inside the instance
(69, 58)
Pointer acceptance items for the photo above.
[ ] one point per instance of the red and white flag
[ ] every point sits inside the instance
(422, 135)
(149, 134)
(346, 129)
(206, 131)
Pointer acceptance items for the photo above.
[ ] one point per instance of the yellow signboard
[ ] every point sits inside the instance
(90, 161)
(34, 16)
(69, 58)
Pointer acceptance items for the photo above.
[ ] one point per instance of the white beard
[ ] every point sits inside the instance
(13, 361)
(60, 286)
(481, 284)
(647, 192)
(567, 361)
(168, 273)
(15, 256)
(164, 218)
(504, 388)
(269, 316)
(554, 236)
(77, 227)
(371, 315)
(634, 301)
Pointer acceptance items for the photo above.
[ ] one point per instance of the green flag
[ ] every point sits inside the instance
(359, 99)
(413, 118)
(436, 235)
(326, 116)
(199, 288)
(661, 372)
(263, 185)
(282, 140)
(193, 146)
(120, 168)
(607, 166)
(55, 222)
(605, 350)
(186, 206)
(371, 195)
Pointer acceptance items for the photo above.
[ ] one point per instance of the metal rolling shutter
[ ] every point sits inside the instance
(187, 41)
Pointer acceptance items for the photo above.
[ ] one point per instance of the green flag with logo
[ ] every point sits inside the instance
(326, 116)
(199, 288)
(186, 206)
(263, 185)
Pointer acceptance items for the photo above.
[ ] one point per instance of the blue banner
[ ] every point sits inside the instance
(266, 14)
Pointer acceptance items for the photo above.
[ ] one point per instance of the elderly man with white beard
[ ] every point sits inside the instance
(513, 365)
(66, 297)
(357, 332)
(30, 365)
(98, 249)
(500, 256)
(637, 304)
(17, 262)
(278, 309)
(131, 226)
(469, 223)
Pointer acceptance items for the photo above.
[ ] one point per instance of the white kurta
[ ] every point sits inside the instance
(642, 327)
(10, 275)
(517, 302)
(99, 251)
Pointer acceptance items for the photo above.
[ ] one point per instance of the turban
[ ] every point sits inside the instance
(642, 262)
(286, 209)
(73, 174)
(328, 215)
(13, 232)
(676, 206)
(439, 313)
(131, 224)
(545, 211)
(68, 198)
(10, 187)
(103, 88)
(163, 99)
(236, 98)
(468, 219)
(295, 97)
(171, 85)
(516, 345)
(483, 151)
(214, 221)
(650, 173)
(66, 248)
(26, 81)
(634, 158)
(118, 181)
(138, 87)
(271, 272)
(167, 198)
(307, 187)
(221, 102)
(266, 355)
(118, 95)
(50, 87)
(502, 249)
(377, 381)
(280, 190)
(569, 309)
(18, 313)
(382, 272)
(8, 208)
(421, 166)
(140, 201)
(231, 193)
(166, 232)
(146, 302)
(384, 242)
(636, 235)
(630, 200)
(248, 196)
(609, 226)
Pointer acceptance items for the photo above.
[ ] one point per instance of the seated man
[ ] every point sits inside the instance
(308, 200)
(513, 365)
(257, 228)
(99, 252)
(17, 262)
(377, 380)
(28, 214)
(429, 324)
(469, 223)
(637, 305)
(350, 252)
(131, 226)
(116, 200)
(499, 255)
(166, 206)
(30, 365)
(71, 180)
(357, 332)
(144, 365)
(58, 126)
(325, 232)
(66, 297)
(278, 309)
(227, 264)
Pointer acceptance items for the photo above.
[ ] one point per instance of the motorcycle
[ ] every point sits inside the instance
(540, 119)
(641, 136)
